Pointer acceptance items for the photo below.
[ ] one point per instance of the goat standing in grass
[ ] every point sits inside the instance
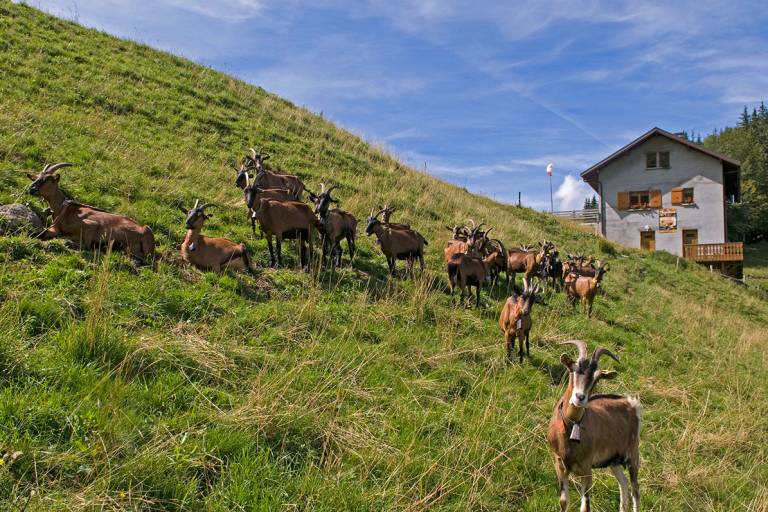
(584, 288)
(467, 271)
(286, 220)
(88, 226)
(397, 244)
(334, 225)
(528, 262)
(515, 321)
(210, 253)
(588, 431)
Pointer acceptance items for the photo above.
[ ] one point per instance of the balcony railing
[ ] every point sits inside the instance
(591, 216)
(729, 251)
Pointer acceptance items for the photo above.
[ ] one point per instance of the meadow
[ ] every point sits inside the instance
(167, 388)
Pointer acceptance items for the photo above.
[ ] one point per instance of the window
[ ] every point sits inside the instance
(639, 200)
(682, 196)
(657, 160)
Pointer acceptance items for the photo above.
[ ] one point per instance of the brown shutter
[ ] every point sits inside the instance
(623, 201)
(677, 196)
(655, 199)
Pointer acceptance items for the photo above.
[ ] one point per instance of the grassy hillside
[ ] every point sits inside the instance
(172, 389)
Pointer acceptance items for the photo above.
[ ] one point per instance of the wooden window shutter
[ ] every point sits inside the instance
(623, 201)
(677, 196)
(655, 199)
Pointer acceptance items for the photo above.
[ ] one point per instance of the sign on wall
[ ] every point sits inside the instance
(667, 220)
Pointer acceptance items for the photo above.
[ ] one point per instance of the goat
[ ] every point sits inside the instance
(467, 271)
(89, 226)
(588, 431)
(552, 270)
(286, 220)
(500, 263)
(212, 253)
(397, 244)
(253, 194)
(584, 288)
(515, 321)
(526, 261)
(334, 225)
(386, 214)
(265, 178)
(460, 233)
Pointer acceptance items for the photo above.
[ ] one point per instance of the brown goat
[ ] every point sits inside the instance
(254, 194)
(334, 225)
(584, 288)
(467, 271)
(89, 226)
(527, 262)
(397, 244)
(207, 252)
(515, 321)
(386, 214)
(588, 431)
(286, 220)
(265, 178)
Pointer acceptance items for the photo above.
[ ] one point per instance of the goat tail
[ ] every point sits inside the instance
(423, 239)
(247, 260)
(148, 243)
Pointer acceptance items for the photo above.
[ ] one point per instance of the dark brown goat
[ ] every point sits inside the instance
(467, 271)
(265, 178)
(86, 225)
(286, 220)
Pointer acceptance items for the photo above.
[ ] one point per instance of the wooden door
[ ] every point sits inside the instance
(690, 237)
(648, 240)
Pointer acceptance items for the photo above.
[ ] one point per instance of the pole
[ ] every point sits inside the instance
(519, 202)
(551, 201)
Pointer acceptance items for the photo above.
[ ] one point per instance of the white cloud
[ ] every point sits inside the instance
(571, 193)
(225, 10)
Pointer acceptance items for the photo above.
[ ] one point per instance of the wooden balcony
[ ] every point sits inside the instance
(714, 253)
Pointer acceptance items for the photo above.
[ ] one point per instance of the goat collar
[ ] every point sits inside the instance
(575, 434)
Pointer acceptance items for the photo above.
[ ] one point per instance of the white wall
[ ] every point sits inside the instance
(688, 168)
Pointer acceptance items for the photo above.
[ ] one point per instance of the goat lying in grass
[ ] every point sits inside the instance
(588, 431)
(88, 226)
(210, 253)
(584, 288)
(515, 321)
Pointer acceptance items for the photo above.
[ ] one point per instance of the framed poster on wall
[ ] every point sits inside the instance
(667, 220)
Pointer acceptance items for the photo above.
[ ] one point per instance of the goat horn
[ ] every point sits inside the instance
(207, 205)
(602, 351)
(253, 153)
(197, 202)
(489, 230)
(247, 180)
(582, 346)
(50, 169)
(331, 188)
(473, 223)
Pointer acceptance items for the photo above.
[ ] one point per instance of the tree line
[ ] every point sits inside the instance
(748, 143)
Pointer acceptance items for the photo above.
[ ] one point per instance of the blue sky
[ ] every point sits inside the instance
(484, 93)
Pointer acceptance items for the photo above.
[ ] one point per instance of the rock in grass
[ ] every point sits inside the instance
(15, 218)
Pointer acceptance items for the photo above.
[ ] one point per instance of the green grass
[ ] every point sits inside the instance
(756, 266)
(171, 389)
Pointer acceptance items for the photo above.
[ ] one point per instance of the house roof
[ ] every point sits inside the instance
(590, 175)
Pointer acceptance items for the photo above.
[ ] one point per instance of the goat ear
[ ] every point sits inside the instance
(208, 215)
(56, 177)
(265, 158)
(184, 210)
(31, 176)
(607, 374)
(312, 197)
(566, 360)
